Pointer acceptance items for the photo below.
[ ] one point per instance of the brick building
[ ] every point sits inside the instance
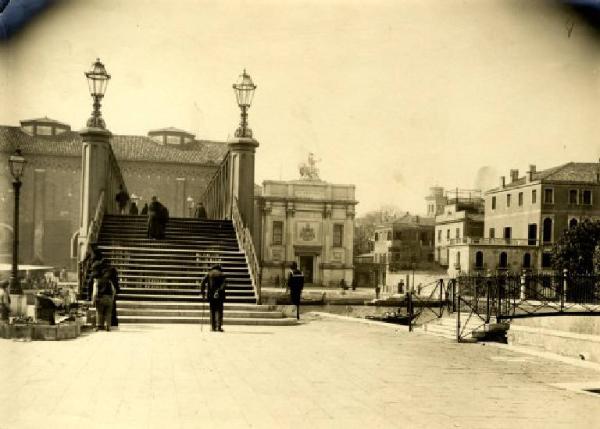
(169, 163)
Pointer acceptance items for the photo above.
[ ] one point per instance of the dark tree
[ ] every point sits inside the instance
(577, 249)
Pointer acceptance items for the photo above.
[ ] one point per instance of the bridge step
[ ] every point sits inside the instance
(160, 279)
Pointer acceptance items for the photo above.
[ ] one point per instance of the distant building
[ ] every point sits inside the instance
(460, 218)
(169, 163)
(526, 216)
(436, 201)
(308, 221)
(404, 243)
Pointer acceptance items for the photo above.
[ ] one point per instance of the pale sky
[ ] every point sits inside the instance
(393, 96)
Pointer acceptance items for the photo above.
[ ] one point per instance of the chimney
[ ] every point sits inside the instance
(530, 173)
(502, 181)
(514, 175)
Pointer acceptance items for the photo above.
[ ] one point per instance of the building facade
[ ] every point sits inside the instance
(168, 163)
(525, 216)
(307, 221)
(460, 218)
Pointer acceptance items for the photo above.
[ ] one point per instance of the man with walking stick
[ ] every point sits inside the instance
(213, 288)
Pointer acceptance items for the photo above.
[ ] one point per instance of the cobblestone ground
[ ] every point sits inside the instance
(322, 374)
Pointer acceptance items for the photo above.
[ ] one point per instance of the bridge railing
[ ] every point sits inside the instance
(221, 202)
(507, 296)
(217, 197)
(107, 184)
(246, 243)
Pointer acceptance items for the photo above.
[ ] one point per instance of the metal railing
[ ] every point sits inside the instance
(495, 241)
(508, 296)
(217, 197)
(220, 203)
(106, 204)
(92, 236)
(246, 243)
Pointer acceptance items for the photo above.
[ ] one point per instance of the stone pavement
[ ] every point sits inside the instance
(324, 373)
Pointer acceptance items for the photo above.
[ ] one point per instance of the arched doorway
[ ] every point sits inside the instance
(503, 262)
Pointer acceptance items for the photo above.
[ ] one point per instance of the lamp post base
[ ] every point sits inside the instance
(14, 286)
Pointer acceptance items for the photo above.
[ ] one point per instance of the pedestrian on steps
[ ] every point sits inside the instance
(295, 284)
(213, 288)
(158, 215)
(133, 209)
(200, 212)
(122, 199)
(102, 297)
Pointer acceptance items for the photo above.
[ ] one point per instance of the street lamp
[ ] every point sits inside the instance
(16, 163)
(97, 81)
(244, 92)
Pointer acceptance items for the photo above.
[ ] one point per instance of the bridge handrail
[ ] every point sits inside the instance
(91, 237)
(246, 243)
(217, 196)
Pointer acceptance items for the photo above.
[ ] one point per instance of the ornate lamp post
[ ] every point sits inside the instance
(244, 92)
(16, 163)
(97, 79)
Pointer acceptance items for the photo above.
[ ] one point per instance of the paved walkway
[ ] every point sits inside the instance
(325, 373)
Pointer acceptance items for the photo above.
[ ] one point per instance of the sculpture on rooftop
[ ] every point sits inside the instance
(309, 170)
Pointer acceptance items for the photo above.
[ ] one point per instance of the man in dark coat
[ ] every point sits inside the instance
(200, 211)
(122, 199)
(215, 281)
(295, 284)
(155, 219)
(145, 209)
(133, 209)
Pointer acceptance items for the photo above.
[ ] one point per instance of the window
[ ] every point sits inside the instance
(398, 235)
(573, 223)
(439, 235)
(338, 233)
(458, 259)
(479, 259)
(520, 199)
(573, 196)
(447, 234)
(457, 232)
(507, 232)
(507, 200)
(533, 196)
(376, 236)
(526, 260)
(586, 197)
(277, 232)
(503, 262)
(548, 196)
(389, 235)
(546, 260)
(547, 230)
(532, 234)
(492, 233)
(493, 203)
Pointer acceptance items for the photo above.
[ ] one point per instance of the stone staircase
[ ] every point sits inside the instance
(473, 329)
(160, 279)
